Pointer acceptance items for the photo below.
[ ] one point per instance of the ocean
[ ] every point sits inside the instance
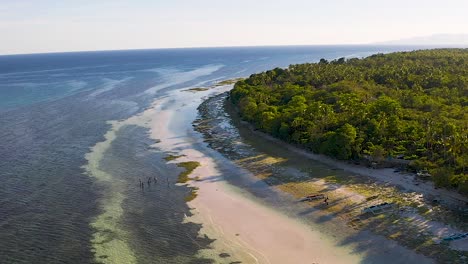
(54, 108)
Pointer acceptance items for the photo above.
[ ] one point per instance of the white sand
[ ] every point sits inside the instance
(249, 231)
(406, 181)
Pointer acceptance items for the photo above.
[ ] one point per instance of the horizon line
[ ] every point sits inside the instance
(241, 46)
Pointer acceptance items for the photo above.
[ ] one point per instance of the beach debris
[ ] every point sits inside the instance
(313, 197)
(456, 237)
(378, 209)
(423, 174)
(224, 255)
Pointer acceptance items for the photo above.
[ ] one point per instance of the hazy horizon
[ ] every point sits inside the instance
(31, 27)
(390, 43)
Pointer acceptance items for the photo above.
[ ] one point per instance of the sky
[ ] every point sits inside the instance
(36, 26)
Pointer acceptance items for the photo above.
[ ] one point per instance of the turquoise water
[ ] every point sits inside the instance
(55, 107)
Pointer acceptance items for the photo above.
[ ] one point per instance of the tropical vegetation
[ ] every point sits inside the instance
(410, 106)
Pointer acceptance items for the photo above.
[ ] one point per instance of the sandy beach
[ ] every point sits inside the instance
(249, 231)
(244, 228)
(108, 157)
(414, 222)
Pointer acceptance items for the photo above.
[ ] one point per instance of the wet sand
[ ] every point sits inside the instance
(293, 172)
(248, 231)
(244, 228)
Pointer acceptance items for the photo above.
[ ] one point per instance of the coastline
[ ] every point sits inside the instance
(114, 240)
(83, 158)
(352, 192)
(244, 230)
(382, 175)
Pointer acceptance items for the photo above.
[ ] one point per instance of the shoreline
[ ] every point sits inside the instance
(383, 175)
(244, 229)
(352, 192)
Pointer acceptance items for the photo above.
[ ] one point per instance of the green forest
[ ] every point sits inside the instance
(404, 106)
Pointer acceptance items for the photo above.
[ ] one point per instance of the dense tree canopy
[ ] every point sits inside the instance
(406, 104)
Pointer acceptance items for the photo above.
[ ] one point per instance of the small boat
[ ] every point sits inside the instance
(313, 197)
(455, 237)
(379, 208)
